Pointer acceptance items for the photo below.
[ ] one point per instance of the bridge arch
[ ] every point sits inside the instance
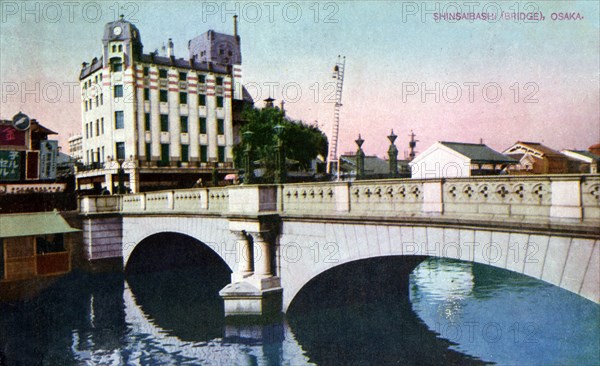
(170, 250)
(569, 263)
(211, 232)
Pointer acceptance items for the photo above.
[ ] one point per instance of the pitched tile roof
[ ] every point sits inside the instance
(479, 153)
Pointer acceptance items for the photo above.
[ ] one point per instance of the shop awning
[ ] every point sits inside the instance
(30, 224)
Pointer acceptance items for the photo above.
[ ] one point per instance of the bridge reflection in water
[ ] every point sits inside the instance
(175, 317)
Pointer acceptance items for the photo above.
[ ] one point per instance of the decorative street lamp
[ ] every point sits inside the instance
(248, 171)
(215, 176)
(281, 172)
(393, 155)
(360, 159)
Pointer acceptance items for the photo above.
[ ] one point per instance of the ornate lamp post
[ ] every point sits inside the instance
(281, 172)
(215, 176)
(248, 171)
(360, 159)
(393, 155)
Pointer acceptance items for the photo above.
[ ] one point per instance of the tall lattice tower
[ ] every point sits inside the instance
(338, 75)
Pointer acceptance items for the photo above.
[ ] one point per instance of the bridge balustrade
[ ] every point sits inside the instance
(533, 198)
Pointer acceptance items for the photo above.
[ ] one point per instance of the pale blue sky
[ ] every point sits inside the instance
(383, 51)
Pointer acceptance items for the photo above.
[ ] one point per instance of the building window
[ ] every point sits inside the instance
(97, 127)
(162, 73)
(53, 243)
(117, 66)
(219, 102)
(164, 123)
(97, 104)
(182, 98)
(114, 48)
(120, 48)
(102, 125)
(220, 126)
(102, 154)
(164, 95)
(101, 98)
(86, 105)
(120, 148)
(202, 78)
(87, 131)
(201, 99)
(147, 121)
(183, 120)
(148, 151)
(183, 76)
(119, 121)
(146, 94)
(185, 153)
(146, 70)
(203, 153)
(118, 91)
(219, 81)
(164, 154)
(202, 125)
(90, 104)
(221, 151)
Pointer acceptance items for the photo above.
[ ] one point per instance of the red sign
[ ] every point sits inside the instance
(10, 136)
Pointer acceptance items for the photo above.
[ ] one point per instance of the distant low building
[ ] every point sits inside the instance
(76, 147)
(535, 158)
(458, 159)
(584, 161)
(594, 149)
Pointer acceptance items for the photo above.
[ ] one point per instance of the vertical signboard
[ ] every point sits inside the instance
(10, 165)
(48, 157)
(31, 168)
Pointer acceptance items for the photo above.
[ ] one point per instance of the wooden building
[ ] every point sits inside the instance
(33, 247)
(535, 158)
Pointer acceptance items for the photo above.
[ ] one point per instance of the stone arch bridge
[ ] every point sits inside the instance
(276, 238)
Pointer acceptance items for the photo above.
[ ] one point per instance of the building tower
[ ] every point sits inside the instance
(338, 75)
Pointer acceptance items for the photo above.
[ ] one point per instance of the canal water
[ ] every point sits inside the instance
(442, 312)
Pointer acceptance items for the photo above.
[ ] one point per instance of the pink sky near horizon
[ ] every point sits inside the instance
(382, 52)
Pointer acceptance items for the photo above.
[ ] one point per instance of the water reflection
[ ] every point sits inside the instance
(364, 313)
(378, 329)
(504, 317)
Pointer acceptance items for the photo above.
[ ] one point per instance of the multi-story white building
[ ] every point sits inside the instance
(166, 121)
(76, 147)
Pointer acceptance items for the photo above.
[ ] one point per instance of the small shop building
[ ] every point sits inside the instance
(33, 246)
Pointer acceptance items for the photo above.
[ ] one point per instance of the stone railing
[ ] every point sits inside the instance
(567, 198)
(180, 201)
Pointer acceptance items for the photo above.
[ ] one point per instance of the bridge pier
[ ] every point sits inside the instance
(254, 289)
(246, 265)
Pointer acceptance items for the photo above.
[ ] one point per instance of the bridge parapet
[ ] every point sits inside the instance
(530, 198)
(536, 199)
